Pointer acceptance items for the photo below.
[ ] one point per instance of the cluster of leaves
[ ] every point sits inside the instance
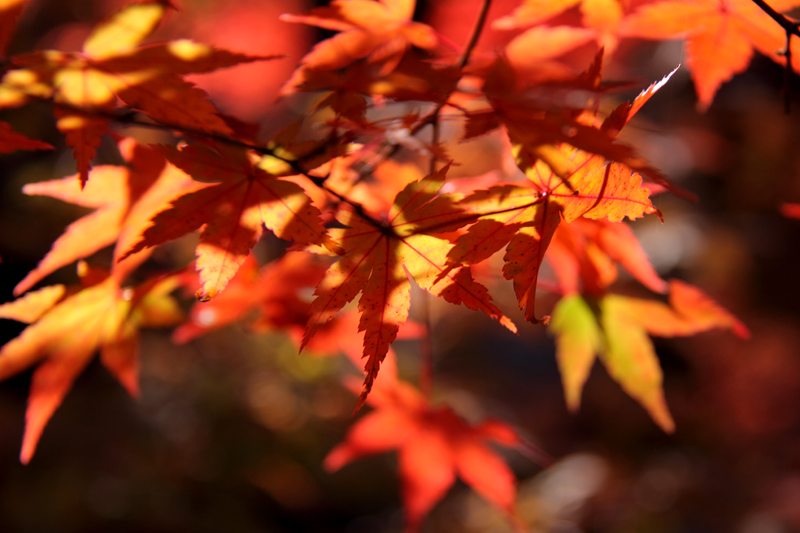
(360, 222)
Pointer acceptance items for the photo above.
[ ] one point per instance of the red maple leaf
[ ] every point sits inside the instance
(11, 141)
(380, 260)
(434, 445)
(238, 200)
(587, 251)
(565, 183)
(270, 296)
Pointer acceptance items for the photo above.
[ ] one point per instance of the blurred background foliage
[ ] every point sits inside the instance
(231, 429)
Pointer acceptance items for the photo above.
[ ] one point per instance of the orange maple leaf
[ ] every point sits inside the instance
(588, 251)
(64, 334)
(543, 126)
(113, 65)
(380, 31)
(599, 14)
(720, 36)
(616, 328)
(434, 445)
(566, 182)
(237, 200)
(271, 296)
(380, 259)
(525, 218)
(124, 198)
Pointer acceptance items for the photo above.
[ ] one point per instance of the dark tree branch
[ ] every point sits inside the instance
(791, 28)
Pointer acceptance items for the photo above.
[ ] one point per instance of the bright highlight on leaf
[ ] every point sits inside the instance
(115, 66)
(379, 261)
(65, 334)
(237, 202)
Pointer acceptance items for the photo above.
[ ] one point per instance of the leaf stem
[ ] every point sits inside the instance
(129, 118)
(476, 33)
(791, 28)
(433, 116)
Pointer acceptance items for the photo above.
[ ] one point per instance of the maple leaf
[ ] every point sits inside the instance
(616, 328)
(599, 14)
(434, 446)
(113, 65)
(412, 79)
(534, 49)
(588, 251)
(122, 195)
(525, 218)
(237, 201)
(551, 130)
(380, 31)
(9, 12)
(65, 333)
(270, 295)
(601, 19)
(11, 141)
(379, 261)
(720, 36)
(565, 182)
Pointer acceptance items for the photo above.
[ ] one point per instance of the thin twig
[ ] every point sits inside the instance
(129, 118)
(788, 25)
(791, 28)
(476, 33)
(433, 116)
(787, 74)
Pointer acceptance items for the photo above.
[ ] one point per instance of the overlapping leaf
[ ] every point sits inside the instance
(233, 207)
(566, 183)
(525, 218)
(379, 31)
(584, 255)
(720, 36)
(380, 259)
(123, 196)
(64, 334)
(434, 445)
(616, 328)
(599, 14)
(113, 65)
(271, 296)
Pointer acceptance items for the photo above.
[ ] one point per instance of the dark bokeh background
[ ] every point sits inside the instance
(230, 430)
